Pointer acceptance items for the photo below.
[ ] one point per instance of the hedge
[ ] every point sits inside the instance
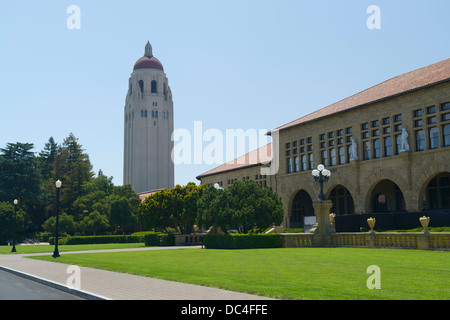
(159, 239)
(242, 241)
(97, 239)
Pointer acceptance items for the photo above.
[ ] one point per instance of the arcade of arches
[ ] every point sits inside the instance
(385, 196)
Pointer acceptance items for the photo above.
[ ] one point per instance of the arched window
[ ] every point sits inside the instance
(141, 86)
(154, 87)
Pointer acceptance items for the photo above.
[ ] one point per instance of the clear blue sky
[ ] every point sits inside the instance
(231, 64)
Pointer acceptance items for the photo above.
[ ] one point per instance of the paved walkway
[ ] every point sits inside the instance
(100, 284)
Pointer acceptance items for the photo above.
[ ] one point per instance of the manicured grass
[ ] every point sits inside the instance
(294, 273)
(81, 247)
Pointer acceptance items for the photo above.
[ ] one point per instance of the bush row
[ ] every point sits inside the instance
(242, 241)
(159, 239)
(97, 239)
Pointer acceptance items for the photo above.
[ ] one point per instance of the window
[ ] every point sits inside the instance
(366, 147)
(304, 166)
(398, 118)
(446, 134)
(289, 165)
(445, 106)
(325, 156)
(388, 146)
(386, 121)
(311, 161)
(296, 164)
(433, 137)
(420, 140)
(398, 143)
(376, 148)
(341, 151)
(375, 124)
(332, 157)
(418, 113)
(364, 126)
(431, 110)
(154, 87)
(141, 86)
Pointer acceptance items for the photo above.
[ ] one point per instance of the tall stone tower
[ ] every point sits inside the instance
(149, 122)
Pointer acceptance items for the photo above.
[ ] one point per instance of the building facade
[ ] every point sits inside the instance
(388, 150)
(148, 126)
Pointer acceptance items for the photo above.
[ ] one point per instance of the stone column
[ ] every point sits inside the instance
(323, 229)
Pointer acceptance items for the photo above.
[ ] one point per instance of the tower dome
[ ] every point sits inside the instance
(148, 61)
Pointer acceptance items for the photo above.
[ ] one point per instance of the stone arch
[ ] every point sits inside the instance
(300, 205)
(385, 196)
(343, 202)
(435, 193)
(371, 182)
(426, 174)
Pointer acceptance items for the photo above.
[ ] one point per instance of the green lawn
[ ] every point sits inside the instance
(48, 248)
(294, 273)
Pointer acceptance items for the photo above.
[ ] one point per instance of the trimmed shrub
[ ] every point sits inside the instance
(97, 240)
(242, 241)
(159, 239)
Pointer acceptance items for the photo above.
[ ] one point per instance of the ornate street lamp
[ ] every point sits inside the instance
(321, 175)
(14, 228)
(58, 186)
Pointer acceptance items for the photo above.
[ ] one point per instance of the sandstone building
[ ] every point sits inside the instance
(387, 147)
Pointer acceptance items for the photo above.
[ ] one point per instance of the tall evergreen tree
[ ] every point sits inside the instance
(73, 168)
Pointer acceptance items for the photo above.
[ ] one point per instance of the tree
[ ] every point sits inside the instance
(73, 168)
(66, 224)
(93, 223)
(245, 205)
(156, 210)
(214, 209)
(121, 213)
(19, 177)
(7, 222)
(184, 206)
(176, 208)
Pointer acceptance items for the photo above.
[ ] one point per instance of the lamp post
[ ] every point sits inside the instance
(321, 175)
(58, 186)
(14, 226)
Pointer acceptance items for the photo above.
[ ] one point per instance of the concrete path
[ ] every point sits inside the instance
(108, 285)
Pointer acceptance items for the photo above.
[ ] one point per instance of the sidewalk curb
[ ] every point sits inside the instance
(80, 293)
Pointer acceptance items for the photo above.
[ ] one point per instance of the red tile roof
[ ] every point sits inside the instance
(408, 82)
(253, 158)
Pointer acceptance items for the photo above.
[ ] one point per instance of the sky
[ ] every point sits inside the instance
(248, 64)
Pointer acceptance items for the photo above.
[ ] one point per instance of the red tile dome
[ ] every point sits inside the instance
(148, 63)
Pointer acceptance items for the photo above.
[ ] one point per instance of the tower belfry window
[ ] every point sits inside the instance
(141, 86)
(154, 87)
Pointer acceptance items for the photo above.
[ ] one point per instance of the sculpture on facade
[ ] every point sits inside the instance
(404, 145)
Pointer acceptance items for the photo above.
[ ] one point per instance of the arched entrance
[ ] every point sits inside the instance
(342, 201)
(301, 207)
(386, 196)
(437, 192)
